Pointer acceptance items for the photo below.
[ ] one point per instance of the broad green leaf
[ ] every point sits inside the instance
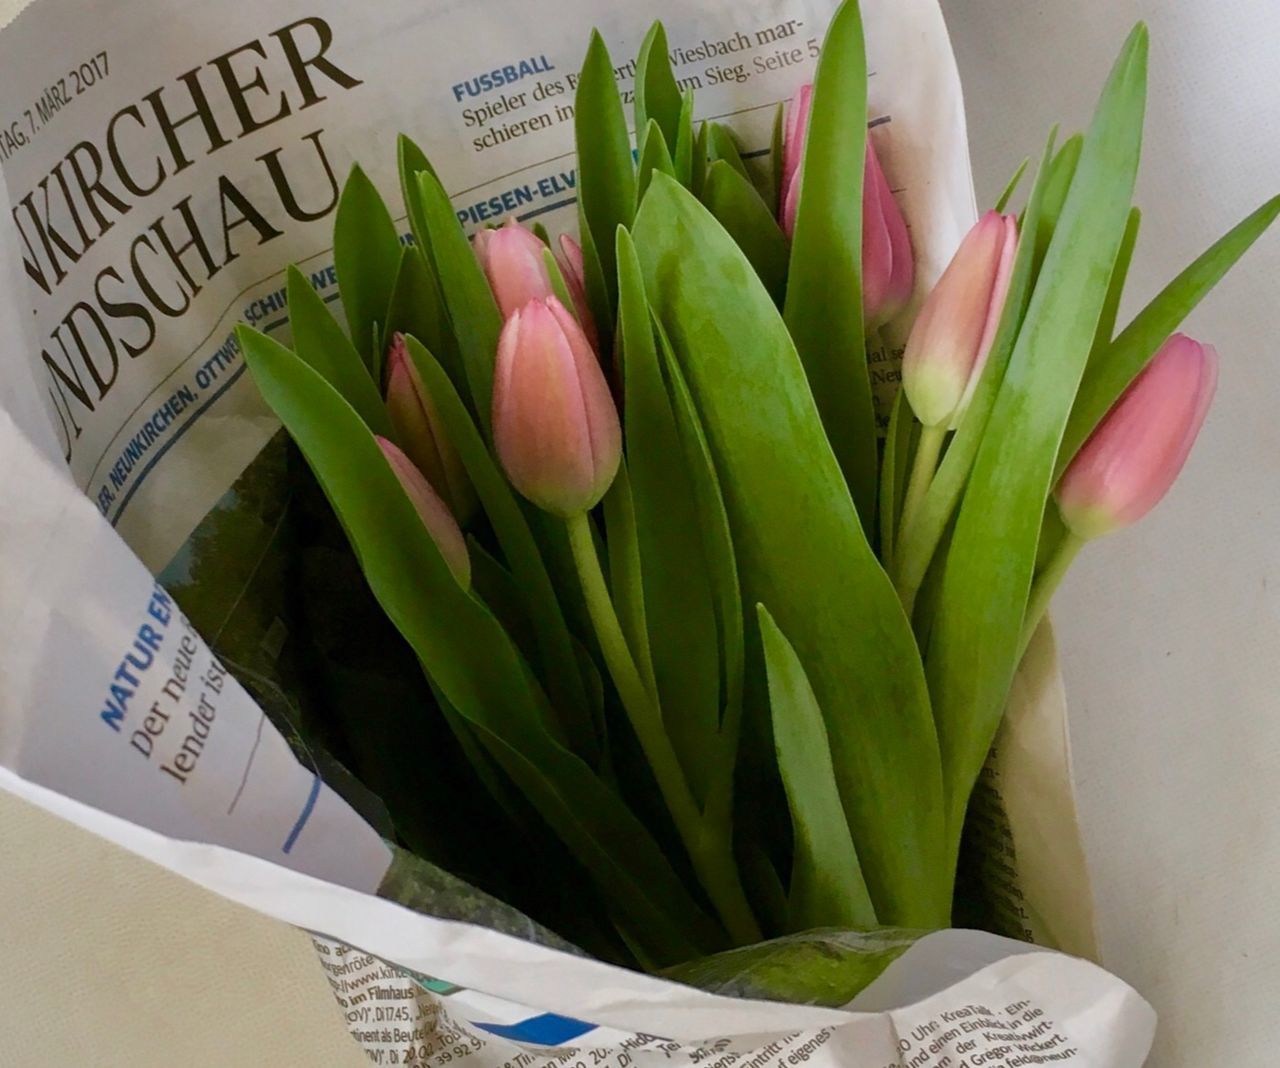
(412, 161)
(679, 601)
(321, 342)
(919, 544)
(722, 146)
(606, 171)
(828, 968)
(366, 255)
(472, 310)
(654, 156)
(1062, 172)
(800, 545)
(1115, 290)
(733, 200)
(686, 142)
(557, 657)
(626, 584)
(775, 158)
(824, 287)
(1003, 201)
(827, 887)
(417, 308)
(1140, 340)
(717, 547)
(468, 655)
(657, 97)
(973, 647)
(540, 232)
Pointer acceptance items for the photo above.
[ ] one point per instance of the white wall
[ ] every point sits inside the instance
(1171, 631)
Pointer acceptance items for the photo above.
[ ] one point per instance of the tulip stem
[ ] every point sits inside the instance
(1046, 583)
(923, 469)
(710, 853)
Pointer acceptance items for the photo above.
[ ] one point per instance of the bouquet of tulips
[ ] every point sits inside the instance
(708, 645)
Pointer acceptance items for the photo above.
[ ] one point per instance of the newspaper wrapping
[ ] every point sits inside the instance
(162, 165)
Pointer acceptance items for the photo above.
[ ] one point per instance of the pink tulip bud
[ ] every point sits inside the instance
(512, 258)
(1132, 458)
(418, 428)
(575, 279)
(793, 134)
(555, 426)
(435, 516)
(888, 267)
(953, 334)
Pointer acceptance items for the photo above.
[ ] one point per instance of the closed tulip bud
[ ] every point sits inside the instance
(512, 259)
(421, 435)
(952, 336)
(575, 280)
(888, 267)
(793, 135)
(433, 512)
(555, 426)
(1132, 458)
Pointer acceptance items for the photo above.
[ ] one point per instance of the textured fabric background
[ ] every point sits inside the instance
(1169, 632)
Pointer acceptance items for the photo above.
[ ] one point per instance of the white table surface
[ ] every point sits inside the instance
(1170, 631)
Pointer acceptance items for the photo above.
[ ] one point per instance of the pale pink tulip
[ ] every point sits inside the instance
(433, 512)
(555, 427)
(953, 334)
(575, 280)
(1132, 458)
(421, 435)
(512, 258)
(888, 266)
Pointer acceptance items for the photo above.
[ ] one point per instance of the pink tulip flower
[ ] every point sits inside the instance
(435, 516)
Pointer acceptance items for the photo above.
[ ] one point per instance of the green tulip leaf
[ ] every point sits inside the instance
(468, 655)
(827, 887)
(654, 156)
(686, 142)
(800, 546)
(1142, 338)
(775, 157)
(1006, 195)
(824, 288)
(626, 582)
(722, 146)
(606, 171)
(1115, 290)
(679, 601)
(321, 343)
(974, 643)
(366, 255)
(733, 200)
(557, 656)
(919, 543)
(657, 97)
(417, 308)
(467, 297)
(823, 967)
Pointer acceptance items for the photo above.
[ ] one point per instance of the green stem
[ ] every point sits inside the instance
(923, 468)
(1046, 583)
(711, 855)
